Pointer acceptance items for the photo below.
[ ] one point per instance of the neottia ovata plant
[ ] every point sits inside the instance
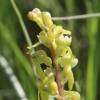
(58, 68)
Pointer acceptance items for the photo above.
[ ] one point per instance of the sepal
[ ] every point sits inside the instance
(40, 57)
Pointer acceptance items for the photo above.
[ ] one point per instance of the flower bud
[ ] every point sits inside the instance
(47, 19)
(51, 88)
(37, 12)
(32, 16)
(71, 95)
(54, 88)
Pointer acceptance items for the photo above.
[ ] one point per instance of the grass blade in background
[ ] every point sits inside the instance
(21, 58)
(92, 69)
(21, 23)
(15, 83)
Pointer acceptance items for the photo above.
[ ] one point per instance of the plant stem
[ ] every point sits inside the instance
(57, 71)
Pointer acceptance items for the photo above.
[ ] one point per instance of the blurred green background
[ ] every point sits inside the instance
(85, 45)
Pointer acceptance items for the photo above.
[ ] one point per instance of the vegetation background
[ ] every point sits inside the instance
(85, 45)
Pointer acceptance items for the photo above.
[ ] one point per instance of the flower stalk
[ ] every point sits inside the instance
(57, 71)
(58, 40)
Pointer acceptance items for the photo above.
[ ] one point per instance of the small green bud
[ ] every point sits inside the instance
(47, 19)
(71, 95)
(37, 12)
(51, 88)
(33, 16)
(54, 88)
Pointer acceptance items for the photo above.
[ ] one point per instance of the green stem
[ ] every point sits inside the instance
(21, 23)
(57, 71)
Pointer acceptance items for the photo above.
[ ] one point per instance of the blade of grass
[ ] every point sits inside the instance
(91, 72)
(25, 64)
(91, 81)
(21, 23)
(9, 39)
(9, 72)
